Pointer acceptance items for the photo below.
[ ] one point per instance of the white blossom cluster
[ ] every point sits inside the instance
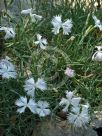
(41, 107)
(78, 114)
(34, 17)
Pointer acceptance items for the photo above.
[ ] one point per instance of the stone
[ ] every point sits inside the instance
(60, 128)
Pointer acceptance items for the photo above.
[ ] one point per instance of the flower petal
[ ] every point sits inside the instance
(75, 101)
(41, 84)
(67, 27)
(29, 87)
(21, 110)
(56, 22)
(27, 11)
(32, 105)
(35, 17)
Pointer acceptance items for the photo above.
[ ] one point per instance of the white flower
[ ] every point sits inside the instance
(43, 108)
(57, 24)
(26, 12)
(69, 72)
(42, 42)
(97, 56)
(9, 32)
(98, 23)
(69, 100)
(79, 117)
(22, 104)
(31, 85)
(7, 69)
(35, 17)
(40, 84)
